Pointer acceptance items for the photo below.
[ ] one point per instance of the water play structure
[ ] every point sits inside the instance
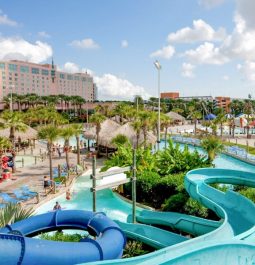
(16, 246)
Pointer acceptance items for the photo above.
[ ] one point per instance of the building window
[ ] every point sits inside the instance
(77, 78)
(2, 65)
(13, 67)
(62, 76)
(69, 77)
(35, 71)
(45, 72)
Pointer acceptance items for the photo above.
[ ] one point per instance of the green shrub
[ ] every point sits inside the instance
(176, 203)
(60, 236)
(133, 249)
(193, 207)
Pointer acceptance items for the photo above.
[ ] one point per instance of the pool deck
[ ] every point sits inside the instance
(32, 175)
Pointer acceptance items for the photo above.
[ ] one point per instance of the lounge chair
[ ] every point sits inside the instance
(20, 196)
(27, 192)
(8, 199)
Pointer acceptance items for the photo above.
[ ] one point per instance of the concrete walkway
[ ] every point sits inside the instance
(32, 175)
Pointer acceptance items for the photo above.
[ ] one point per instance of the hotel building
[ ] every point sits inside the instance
(44, 79)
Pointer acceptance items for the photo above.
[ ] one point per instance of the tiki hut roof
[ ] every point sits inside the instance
(175, 116)
(30, 133)
(107, 127)
(128, 131)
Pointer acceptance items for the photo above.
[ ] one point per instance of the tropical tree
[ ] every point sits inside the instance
(213, 146)
(67, 132)
(220, 119)
(4, 145)
(97, 119)
(14, 121)
(120, 140)
(195, 115)
(146, 123)
(77, 131)
(137, 126)
(13, 213)
(50, 133)
(165, 122)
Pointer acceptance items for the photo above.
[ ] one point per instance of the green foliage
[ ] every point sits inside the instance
(133, 249)
(13, 213)
(176, 202)
(213, 146)
(120, 139)
(193, 207)
(60, 236)
(248, 193)
(174, 160)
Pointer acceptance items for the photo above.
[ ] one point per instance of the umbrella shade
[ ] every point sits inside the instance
(30, 133)
(210, 117)
(175, 116)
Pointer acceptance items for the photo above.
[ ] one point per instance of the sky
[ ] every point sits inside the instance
(205, 47)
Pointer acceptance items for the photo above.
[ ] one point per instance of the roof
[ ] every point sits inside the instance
(175, 116)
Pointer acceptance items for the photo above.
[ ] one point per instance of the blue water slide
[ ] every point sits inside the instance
(16, 247)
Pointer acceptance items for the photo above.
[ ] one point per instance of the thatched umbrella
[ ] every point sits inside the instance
(29, 134)
(175, 116)
(128, 131)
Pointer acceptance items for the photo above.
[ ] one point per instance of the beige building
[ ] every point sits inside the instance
(43, 79)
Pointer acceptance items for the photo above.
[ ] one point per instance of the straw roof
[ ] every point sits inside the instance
(30, 133)
(128, 131)
(175, 116)
(107, 127)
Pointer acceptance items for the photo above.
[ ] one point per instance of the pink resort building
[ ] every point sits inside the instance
(44, 79)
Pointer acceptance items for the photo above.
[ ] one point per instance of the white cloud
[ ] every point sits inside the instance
(210, 3)
(225, 77)
(20, 49)
(248, 70)
(124, 44)
(245, 8)
(201, 31)
(166, 52)
(115, 88)
(43, 34)
(187, 70)
(71, 67)
(4, 20)
(206, 53)
(85, 44)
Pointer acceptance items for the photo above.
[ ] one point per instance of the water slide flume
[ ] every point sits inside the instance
(231, 243)
(17, 248)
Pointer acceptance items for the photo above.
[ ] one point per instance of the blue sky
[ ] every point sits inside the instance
(205, 47)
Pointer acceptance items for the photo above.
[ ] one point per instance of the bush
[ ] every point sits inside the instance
(176, 203)
(133, 249)
(60, 236)
(193, 207)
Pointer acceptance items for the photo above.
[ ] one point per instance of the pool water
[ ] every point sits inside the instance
(72, 141)
(110, 203)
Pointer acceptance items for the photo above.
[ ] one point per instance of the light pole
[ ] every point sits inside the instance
(158, 66)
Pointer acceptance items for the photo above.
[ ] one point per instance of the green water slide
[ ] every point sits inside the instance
(150, 235)
(230, 241)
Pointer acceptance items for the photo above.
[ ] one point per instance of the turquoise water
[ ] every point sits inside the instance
(112, 205)
(72, 141)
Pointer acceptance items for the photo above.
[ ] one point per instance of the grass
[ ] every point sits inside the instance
(251, 150)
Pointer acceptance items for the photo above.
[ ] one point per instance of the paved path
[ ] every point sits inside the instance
(32, 175)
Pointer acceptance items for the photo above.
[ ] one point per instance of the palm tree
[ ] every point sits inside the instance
(13, 213)
(67, 132)
(137, 126)
(165, 122)
(97, 119)
(195, 115)
(77, 130)
(50, 133)
(212, 145)
(220, 119)
(13, 120)
(146, 123)
(4, 144)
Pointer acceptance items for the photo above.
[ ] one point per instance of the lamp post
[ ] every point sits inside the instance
(158, 66)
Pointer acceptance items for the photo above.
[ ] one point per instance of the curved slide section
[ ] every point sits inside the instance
(17, 248)
(231, 243)
(150, 235)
